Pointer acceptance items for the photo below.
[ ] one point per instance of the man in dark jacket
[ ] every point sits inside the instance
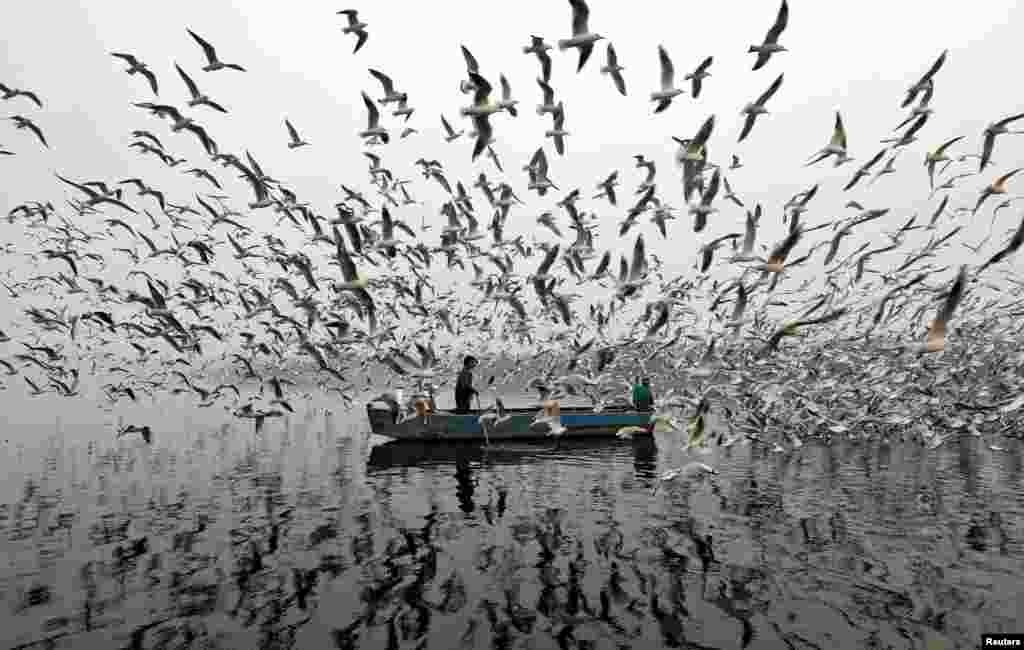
(464, 390)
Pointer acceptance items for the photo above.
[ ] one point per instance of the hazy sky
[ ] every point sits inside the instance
(855, 57)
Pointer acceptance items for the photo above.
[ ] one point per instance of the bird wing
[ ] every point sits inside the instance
(668, 71)
(483, 88)
(549, 260)
(385, 81)
(211, 54)
(580, 16)
(361, 37)
(471, 64)
(956, 292)
(447, 127)
(783, 249)
(484, 132)
(639, 265)
(613, 59)
(780, 24)
(771, 89)
(839, 133)
(192, 88)
(371, 109)
(747, 126)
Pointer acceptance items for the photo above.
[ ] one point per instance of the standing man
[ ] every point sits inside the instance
(643, 400)
(464, 390)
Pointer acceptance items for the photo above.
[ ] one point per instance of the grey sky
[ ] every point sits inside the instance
(855, 58)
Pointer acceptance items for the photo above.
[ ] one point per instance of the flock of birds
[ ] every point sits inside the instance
(199, 270)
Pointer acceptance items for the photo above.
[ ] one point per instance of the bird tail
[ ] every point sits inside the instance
(751, 49)
(563, 44)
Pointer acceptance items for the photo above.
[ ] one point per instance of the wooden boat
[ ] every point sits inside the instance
(579, 422)
(422, 453)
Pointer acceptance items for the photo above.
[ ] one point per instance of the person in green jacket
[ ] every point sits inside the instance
(643, 399)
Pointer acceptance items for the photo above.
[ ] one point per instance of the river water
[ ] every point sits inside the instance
(314, 534)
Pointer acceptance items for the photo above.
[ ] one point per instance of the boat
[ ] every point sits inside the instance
(579, 422)
(422, 453)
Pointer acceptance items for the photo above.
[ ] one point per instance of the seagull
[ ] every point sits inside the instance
(450, 134)
(668, 90)
(355, 27)
(136, 66)
(922, 108)
(991, 131)
(735, 164)
(771, 40)
(1015, 243)
(558, 132)
(389, 87)
(836, 146)
(924, 83)
(888, 168)
(908, 136)
(932, 158)
(697, 76)
(756, 108)
(296, 141)
(614, 70)
(582, 39)
(212, 62)
(777, 259)
(21, 122)
(540, 48)
(373, 128)
(997, 187)
(11, 93)
(865, 169)
(935, 341)
(507, 103)
(198, 98)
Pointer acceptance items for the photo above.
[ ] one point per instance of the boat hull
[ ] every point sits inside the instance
(445, 425)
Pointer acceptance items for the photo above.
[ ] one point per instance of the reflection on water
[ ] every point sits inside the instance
(309, 535)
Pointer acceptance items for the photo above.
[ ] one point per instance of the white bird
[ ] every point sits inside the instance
(668, 90)
(373, 128)
(355, 27)
(835, 147)
(614, 70)
(296, 141)
(582, 38)
(558, 132)
(212, 62)
(450, 134)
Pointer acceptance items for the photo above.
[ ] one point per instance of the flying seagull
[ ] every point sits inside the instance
(296, 141)
(212, 62)
(198, 98)
(771, 45)
(355, 27)
(11, 93)
(136, 66)
(614, 70)
(668, 90)
(582, 38)
(924, 82)
(836, 146)
(697, 76)
(756, 108)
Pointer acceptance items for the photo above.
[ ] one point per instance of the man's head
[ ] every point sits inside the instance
(469, 362)
(646, 381)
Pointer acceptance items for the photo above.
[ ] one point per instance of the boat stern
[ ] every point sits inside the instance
(382, 417)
